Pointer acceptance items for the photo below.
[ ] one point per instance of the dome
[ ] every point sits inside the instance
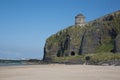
(80, 15)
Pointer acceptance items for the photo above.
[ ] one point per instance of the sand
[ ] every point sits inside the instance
(60, 72)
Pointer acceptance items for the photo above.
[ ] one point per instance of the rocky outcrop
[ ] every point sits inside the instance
(100, 35)
(118, 43)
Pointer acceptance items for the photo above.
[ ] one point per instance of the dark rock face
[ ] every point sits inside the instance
(118, 43)
(64, 43)
(100, 35)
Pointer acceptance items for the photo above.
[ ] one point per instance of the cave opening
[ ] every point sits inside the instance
(72, 53)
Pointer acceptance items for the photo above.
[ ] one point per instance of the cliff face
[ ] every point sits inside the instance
(100, 35)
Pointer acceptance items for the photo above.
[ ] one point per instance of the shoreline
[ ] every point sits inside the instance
(15, 65)
(35, 64)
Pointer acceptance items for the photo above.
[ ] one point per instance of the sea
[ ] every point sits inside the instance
(13, 63)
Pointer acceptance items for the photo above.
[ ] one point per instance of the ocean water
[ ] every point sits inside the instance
(12, 64)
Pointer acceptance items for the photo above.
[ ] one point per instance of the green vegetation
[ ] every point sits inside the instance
(106, 47)
(116, 23)
(68, 58)
(95, 58)
(98, 58)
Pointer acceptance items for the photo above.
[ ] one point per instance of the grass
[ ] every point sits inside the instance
(67, 58)
(106, 47)
(94, 58)
(103, 57)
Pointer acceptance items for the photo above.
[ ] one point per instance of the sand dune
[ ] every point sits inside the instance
(60, 72)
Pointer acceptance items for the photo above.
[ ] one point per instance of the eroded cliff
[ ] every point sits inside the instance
(100, 35)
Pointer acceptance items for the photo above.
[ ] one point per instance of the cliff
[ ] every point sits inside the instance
(99, 36)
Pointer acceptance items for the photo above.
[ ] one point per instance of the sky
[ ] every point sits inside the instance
(26, 24)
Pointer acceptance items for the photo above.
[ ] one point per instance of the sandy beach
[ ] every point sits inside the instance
(60, 72)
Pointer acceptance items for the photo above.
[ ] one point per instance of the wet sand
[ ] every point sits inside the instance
(60, 72)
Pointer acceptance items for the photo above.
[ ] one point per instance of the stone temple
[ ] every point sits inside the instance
(80, 20)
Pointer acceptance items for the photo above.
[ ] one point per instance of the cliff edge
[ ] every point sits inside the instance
(99, 36)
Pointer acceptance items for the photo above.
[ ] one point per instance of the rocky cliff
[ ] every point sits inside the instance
(100, 35)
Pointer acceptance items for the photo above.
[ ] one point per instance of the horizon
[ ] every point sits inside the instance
(26, 24)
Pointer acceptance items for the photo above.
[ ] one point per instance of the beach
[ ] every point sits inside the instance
(59, 72)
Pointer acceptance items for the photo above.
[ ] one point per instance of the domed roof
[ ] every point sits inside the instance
(80, 15)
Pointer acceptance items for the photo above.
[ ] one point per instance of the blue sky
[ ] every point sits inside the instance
(26, 24)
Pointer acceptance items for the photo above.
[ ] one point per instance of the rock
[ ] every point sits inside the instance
(100, 35)
(118, 43)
